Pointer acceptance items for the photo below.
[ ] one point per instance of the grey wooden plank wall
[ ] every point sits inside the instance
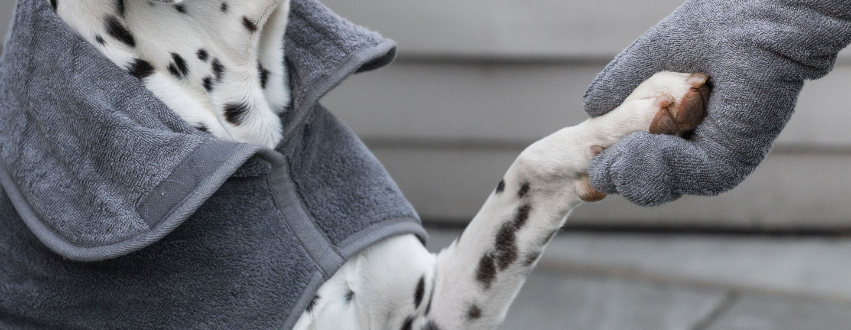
(478, 80)
(6, 8)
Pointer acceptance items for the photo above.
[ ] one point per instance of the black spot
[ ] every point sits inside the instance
(118, 31)
(140, 69)
(235, 113)
(350, 295)
(500, 187)
(180, 8)
(530, 258)
(53, 4)
(173, 70)
(522, 215)
(312, 304)
(431, 326)
(249, 25)
(506, 246)
(419, 292)
(218, 69)
(202, 127)
(224, 7)
(264, 75)
(474, 313)
(523, 190)
(178, 67)
(408, 323)
(208, 84)
(507, 251)
(486, 271)
(100, 40)
(119, 7)
(203, 55)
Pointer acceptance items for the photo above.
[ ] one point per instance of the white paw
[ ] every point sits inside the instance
(666, 103)
(683, 96)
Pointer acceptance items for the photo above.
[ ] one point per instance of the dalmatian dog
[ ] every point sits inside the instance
(223, 73)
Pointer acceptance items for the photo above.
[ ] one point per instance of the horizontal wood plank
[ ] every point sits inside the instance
(787, 192)
(531, 29)
(520, 103)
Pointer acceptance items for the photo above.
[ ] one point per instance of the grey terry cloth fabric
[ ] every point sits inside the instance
(757, 53)
(114, 213)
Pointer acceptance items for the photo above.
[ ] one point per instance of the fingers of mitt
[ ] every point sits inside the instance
(744, 116)
(652, 169)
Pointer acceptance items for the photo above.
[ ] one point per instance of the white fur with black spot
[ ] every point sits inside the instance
(160, 30)
(468, 285)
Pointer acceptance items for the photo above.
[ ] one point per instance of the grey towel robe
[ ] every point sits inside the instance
(115, 214)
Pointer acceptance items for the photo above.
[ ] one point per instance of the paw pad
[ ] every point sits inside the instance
(682, 114)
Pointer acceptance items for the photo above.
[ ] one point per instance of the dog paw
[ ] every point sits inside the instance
(586, 192)
(681, 99)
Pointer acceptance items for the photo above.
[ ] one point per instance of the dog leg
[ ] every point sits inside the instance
(397, 284)
(478, 276)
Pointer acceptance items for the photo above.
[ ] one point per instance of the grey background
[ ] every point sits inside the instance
(478, 80)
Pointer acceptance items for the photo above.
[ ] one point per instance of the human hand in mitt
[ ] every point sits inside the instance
(757, 54)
